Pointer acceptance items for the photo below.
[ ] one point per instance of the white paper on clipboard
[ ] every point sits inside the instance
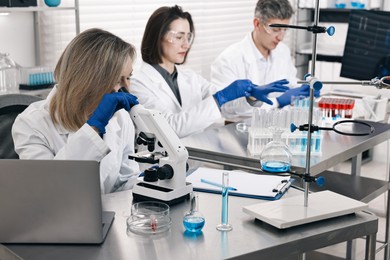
(247, 184)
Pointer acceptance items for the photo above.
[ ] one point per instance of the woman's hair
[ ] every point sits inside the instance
(156, 28)
(273, 9)
(90, 67)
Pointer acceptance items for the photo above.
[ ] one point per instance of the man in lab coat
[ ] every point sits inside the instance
(261, 57)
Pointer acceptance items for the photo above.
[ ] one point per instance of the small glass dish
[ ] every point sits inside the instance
(242, 127)
(149, 217)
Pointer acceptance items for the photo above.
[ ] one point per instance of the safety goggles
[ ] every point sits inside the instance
(180, 37)
(274, 31)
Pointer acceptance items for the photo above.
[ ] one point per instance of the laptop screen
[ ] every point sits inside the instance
(50, 201)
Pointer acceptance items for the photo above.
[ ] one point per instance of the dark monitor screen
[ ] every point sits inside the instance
(367, 49)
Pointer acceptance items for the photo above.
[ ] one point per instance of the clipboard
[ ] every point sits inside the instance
(249, 185)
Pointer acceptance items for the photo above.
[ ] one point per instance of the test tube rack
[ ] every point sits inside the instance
(336, 107)
(36, 78)
(264, 121)
(296, 142)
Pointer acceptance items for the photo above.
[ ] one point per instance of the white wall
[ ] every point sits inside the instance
(17, 37)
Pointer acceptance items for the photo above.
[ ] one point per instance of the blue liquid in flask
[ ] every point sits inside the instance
(193, 223)
(275, 166)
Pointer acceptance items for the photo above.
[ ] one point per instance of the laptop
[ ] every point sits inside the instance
(51, 201)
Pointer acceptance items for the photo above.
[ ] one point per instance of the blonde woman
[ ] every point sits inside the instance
(84, 117)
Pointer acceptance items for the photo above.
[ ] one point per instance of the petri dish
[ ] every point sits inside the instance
(149, 217)
(149, 226)
(146, 208)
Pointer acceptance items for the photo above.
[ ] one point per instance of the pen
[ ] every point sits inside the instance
(215, 184)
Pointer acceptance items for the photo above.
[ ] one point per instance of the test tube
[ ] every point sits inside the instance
(225, 226)
(349, 108)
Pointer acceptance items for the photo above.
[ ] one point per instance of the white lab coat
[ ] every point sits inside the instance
(36, 137)
(198, 110)
(243, 60)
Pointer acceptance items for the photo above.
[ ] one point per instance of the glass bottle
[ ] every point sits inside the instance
(193, 220)
(9, 74)
(276, 156)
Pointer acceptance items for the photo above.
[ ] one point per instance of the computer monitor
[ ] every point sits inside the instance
(367, 48)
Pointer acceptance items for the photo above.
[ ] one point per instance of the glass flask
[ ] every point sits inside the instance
(9, 74)
(276, 156)
(193, 220)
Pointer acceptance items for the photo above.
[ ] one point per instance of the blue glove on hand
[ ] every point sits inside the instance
(109, 104)
(316, 92)
(239, 88)
(261, 92)
(303, 90)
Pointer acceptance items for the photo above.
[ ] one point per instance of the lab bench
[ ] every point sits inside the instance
(249, 239)
(228, 147)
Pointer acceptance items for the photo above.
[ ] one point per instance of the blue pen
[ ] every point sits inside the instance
(215, 184)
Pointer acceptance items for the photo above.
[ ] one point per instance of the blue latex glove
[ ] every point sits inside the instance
(239, 88)
(261, 92)
(317, 93)
(304, 90)
(109, 104)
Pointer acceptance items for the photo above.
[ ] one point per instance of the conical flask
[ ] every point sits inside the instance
(276, 156)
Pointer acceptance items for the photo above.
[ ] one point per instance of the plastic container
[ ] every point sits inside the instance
(358, 4)
(340, 4)
(52, 3)
(9, 74)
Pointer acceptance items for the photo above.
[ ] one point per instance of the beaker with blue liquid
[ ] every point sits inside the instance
(276, 156)
(193, 220)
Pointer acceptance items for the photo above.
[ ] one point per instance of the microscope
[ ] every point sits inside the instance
(167, 182)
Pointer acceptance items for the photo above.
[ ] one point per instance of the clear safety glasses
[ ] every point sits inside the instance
(274, 31)
(180, 37)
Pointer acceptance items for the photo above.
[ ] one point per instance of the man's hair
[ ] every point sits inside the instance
(89, 67)
(273, 9)
(157, 26)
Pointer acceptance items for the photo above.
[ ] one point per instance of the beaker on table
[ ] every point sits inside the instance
(193, 220)
(276, 156)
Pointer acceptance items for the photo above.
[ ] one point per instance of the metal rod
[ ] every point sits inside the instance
(279, 25)
(77, 15)
(311, 104)
(364, 82)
